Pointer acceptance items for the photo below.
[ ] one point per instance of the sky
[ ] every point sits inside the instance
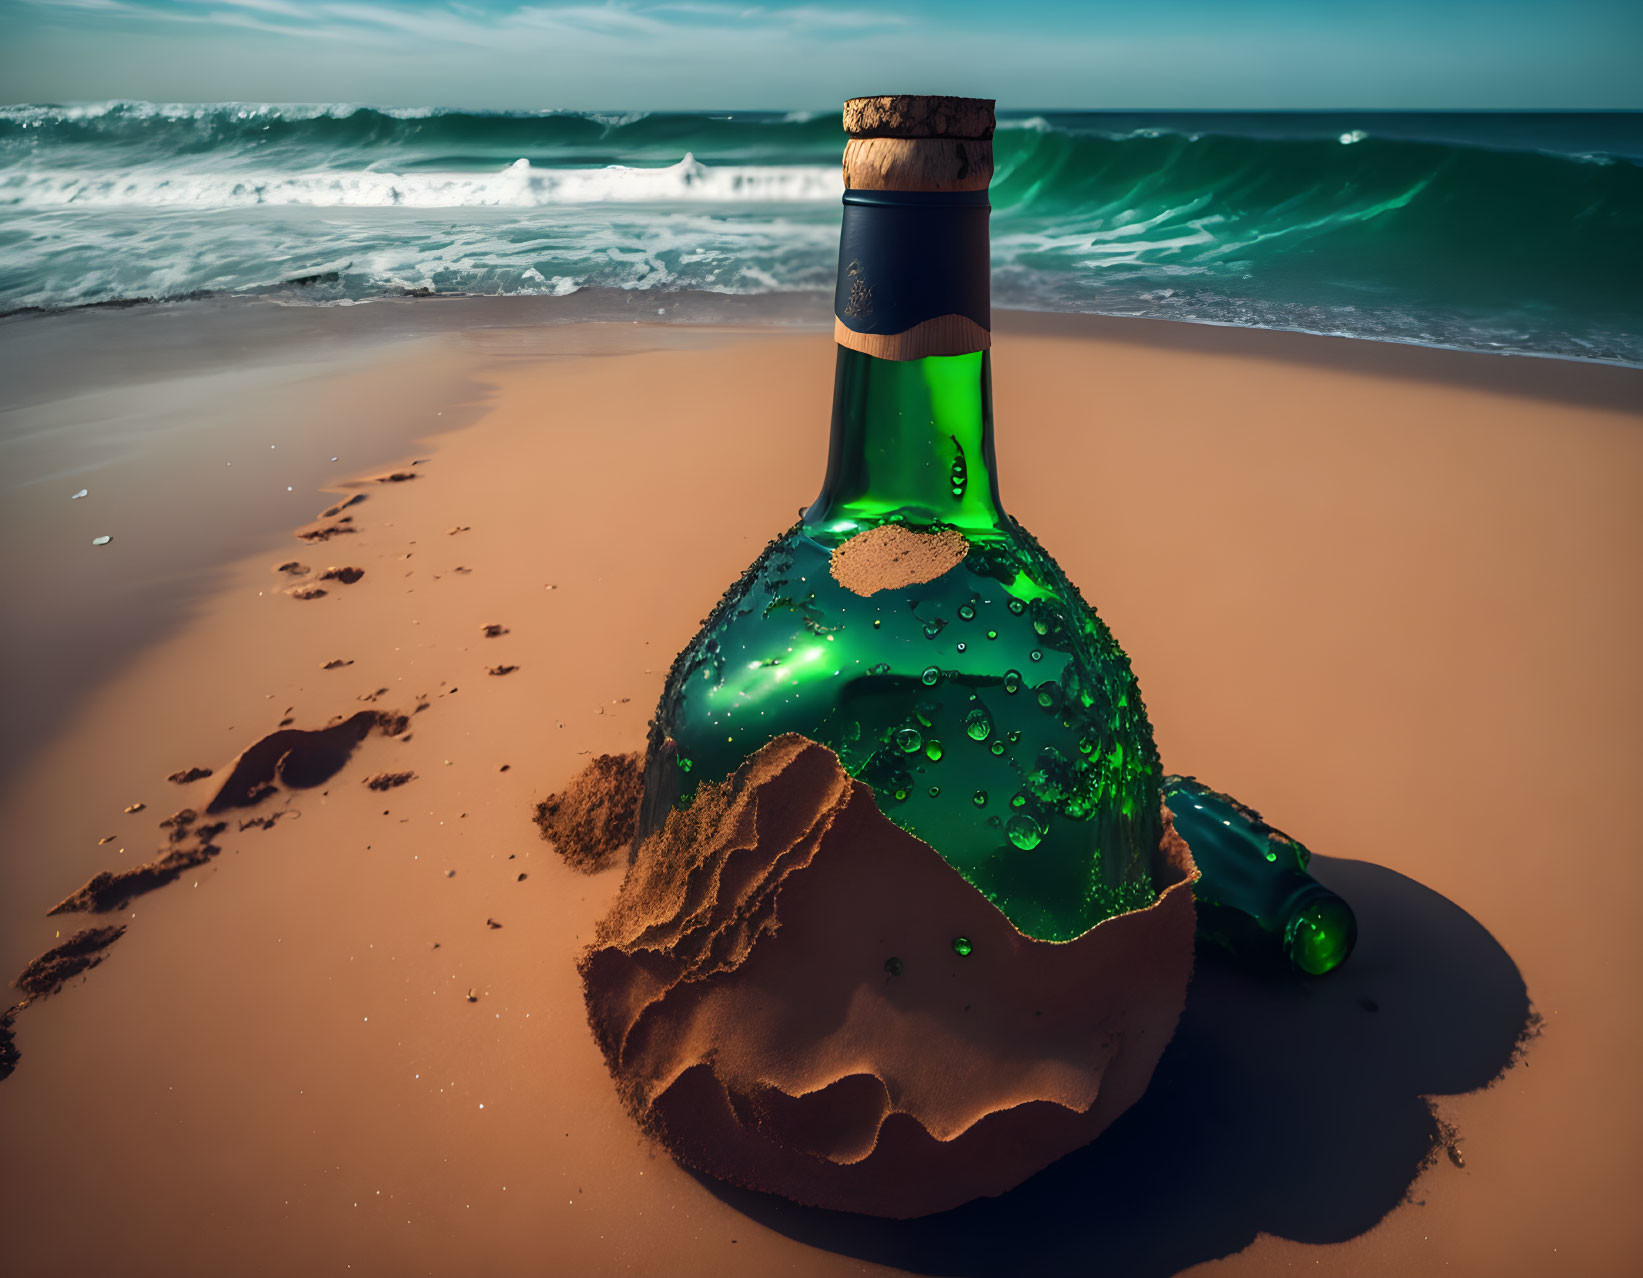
(702, 54)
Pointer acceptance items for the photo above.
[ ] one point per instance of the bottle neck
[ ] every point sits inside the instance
(912, 443)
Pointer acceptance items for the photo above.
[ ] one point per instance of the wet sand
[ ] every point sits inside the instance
(1391, 597)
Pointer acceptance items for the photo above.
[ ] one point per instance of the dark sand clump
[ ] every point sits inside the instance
(112, 889)
(593, 819)
(46, 974)
(325, 532)
(331, 512)
(8, 1043)
(795, 995)
(891, 557)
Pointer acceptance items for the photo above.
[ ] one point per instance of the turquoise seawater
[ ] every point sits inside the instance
(1502, 232)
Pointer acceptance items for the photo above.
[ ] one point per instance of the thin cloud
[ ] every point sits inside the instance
(469, 24)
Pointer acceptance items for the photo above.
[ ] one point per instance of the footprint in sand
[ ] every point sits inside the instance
(331, 512)
(311, 589)
(327, 532)
(300, 758)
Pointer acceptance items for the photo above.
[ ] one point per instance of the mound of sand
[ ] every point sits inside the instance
(592, 820)
(797, 996)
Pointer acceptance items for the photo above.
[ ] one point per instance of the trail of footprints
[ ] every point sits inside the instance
(286, 760)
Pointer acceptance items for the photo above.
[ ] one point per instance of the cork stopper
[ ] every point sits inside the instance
(912, 143)
(911, 115)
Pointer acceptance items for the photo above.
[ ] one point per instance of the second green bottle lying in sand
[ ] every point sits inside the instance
(911, 625)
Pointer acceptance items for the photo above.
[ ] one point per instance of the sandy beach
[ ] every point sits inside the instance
(1389, 595)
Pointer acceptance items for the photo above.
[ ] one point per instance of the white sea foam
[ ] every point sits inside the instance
(519, 185)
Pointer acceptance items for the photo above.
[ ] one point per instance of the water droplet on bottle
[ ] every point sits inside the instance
(930, 675)
(1018, 800)
(1024, 832)
(934, 629)
(685, 765)
(909, 739)
(1016, 606)
(1013, 735)
(978, 724)
(979, 798)
(992, 634)
(935, 792)
(877, 623)
(961, 647)
(967, 612)
(893, 965)
(1012, 681)
(1271, 855)
(882, 668)
(932, 751)
(997, 747)
(962, 946)
(1035, 655)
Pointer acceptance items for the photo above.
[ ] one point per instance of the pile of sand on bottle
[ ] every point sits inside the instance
(797, 996)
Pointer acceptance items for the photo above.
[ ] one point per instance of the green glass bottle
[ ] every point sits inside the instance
(1255, 895)
(989, 708)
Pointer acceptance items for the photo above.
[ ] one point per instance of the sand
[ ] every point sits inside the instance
(890, 557)
(795, 995)
(1395, 607)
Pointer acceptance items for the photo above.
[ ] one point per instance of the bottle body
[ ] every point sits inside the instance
(988, 707)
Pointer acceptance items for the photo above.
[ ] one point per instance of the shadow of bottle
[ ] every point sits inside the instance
(1284, 1105)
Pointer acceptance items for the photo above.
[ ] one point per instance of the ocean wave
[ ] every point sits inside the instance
(1502, 232)
(519, 185)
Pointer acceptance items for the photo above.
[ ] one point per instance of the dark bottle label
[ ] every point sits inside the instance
(908, 257)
